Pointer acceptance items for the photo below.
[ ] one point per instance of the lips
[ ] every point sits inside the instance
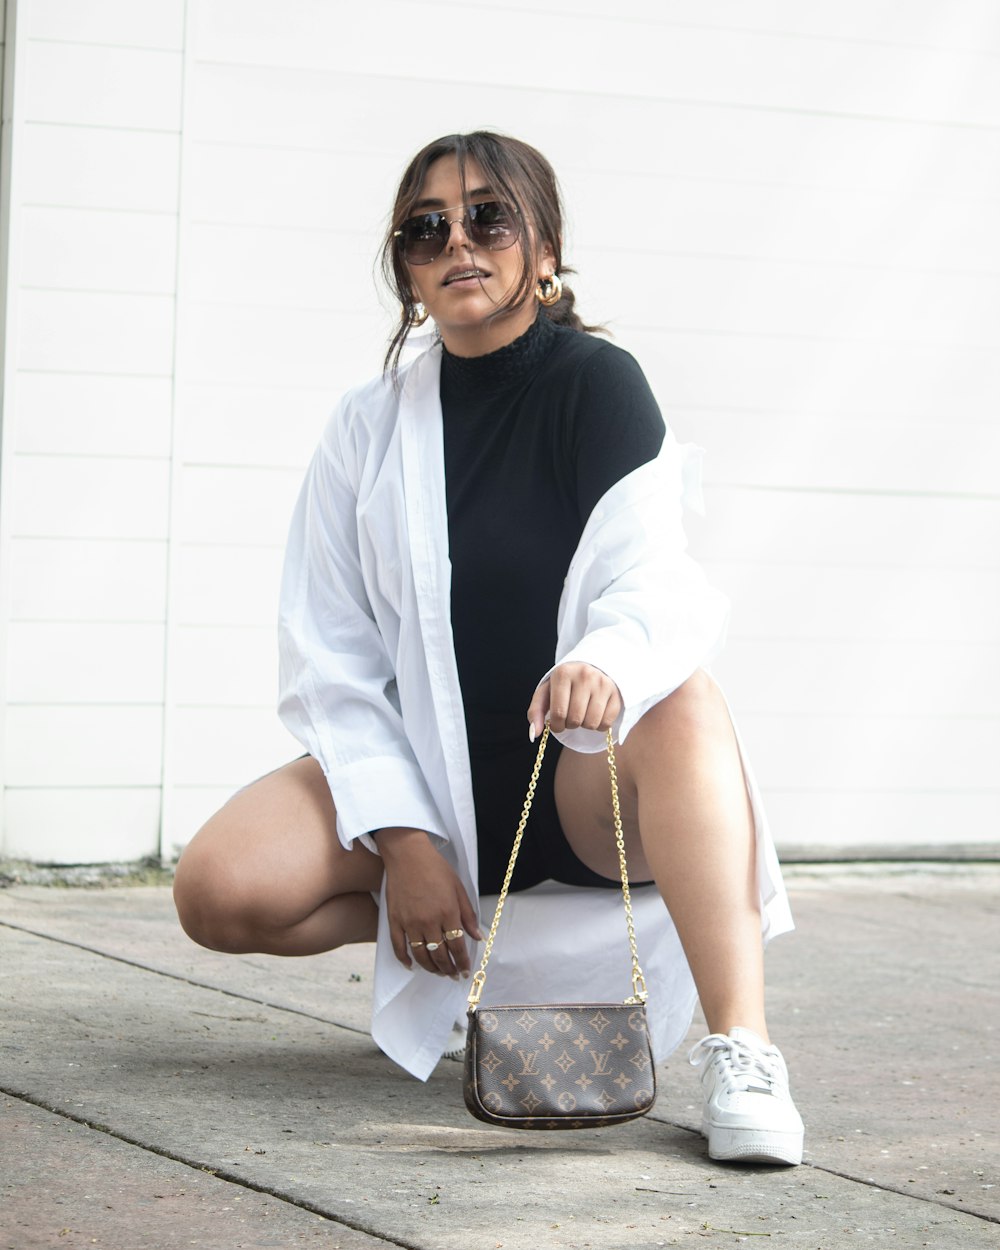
(462, 273)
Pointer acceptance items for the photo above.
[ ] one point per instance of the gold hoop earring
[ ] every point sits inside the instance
(418, 315)
(549, 290)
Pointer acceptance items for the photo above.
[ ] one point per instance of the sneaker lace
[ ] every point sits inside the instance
(745, 1067)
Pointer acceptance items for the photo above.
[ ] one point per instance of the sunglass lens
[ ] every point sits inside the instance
(492, 225)
(423, 238)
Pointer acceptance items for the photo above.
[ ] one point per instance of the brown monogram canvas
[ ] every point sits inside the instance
(578, 1065)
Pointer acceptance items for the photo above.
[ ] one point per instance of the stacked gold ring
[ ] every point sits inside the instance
(452, 935)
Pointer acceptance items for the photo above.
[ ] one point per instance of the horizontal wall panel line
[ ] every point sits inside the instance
(144, 293)
(86, 703)
(252, 466)
(727, 28)
(856, 717)
(108, 789)
(563, 93)
(95, 373)
(716, 332)
(152, 787)
(615, 171)
(827, 640)
(860, 416)
(227, 706)
(153, 49)
(71, 621)
(278, 387)
(849, 491)
(97, 210)
(134, 130)
(714, 562)
(81, 290)
(215, 545)
(803, 261)
(89, 538)
(93, 455)
(241, 626)
(901, 793)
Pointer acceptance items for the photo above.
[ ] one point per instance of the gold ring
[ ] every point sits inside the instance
(416, 943)
(431, 946)
(454, 934)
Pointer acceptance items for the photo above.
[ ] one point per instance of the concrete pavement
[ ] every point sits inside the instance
(157, 1095)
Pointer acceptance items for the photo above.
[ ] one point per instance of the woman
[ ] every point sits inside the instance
(507, 499)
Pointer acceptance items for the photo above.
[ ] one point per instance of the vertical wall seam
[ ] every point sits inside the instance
(170, 621)
(8, 289)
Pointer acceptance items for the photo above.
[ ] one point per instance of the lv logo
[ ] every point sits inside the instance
(528, 1065)
(600, 1059)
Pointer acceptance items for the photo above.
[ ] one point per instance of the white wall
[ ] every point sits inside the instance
(88, 410)
(780, 208)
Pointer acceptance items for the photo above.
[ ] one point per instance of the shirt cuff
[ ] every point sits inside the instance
(384, 792)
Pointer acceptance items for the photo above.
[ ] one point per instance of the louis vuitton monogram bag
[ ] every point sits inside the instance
(566, 1065)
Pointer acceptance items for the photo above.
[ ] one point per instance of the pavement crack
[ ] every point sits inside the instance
(176, 976)
(897, 1189)
(867, 1181)
(197, 1165)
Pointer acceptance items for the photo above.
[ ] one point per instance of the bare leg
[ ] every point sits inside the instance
(268, 873)
(689, 826)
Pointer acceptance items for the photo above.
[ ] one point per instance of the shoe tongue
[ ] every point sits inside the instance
(749, 1038)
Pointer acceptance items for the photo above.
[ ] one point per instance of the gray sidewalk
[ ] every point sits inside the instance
(157, 1095)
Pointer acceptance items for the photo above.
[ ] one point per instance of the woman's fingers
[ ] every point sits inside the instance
(439, 945)
(399, 944)
(441, 956)
(582, 697)
(538, 709)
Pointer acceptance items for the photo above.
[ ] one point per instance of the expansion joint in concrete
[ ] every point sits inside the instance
(220, 1173)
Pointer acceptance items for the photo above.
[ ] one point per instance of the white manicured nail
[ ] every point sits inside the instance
(531, 733)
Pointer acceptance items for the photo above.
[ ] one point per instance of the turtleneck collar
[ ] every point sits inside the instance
(505, 368)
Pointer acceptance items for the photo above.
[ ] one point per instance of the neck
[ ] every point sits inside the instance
(490, 336)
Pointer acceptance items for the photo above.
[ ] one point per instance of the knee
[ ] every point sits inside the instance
(695, 710)
(213, 905)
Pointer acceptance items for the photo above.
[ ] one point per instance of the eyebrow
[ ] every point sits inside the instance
(432, 204)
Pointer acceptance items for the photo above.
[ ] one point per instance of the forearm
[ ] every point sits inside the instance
(398, 842)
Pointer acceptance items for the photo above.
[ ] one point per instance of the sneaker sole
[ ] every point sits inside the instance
(753, 1145)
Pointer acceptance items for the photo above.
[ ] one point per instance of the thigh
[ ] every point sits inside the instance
(583, 801)
(272, 851)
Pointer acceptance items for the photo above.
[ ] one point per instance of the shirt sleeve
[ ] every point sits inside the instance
(617, 425)
(337, 685)
(635, 605)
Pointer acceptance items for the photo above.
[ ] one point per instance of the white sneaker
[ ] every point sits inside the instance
(749, 1114)
(455, 1046)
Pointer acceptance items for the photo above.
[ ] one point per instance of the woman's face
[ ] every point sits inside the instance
(463, 286)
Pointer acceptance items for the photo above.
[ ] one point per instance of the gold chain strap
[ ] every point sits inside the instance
(639, 994)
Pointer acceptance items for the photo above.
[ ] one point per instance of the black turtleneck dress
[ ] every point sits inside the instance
(534, 434)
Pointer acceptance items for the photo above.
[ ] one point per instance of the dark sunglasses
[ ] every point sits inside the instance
(489, 225)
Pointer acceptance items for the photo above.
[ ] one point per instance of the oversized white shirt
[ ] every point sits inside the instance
(369, 686)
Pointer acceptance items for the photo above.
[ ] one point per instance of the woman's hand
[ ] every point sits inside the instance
(426, 901)
(575, 696)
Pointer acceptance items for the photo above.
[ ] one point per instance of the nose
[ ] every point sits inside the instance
(463, 238)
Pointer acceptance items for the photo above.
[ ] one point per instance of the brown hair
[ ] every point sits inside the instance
(519, 175)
